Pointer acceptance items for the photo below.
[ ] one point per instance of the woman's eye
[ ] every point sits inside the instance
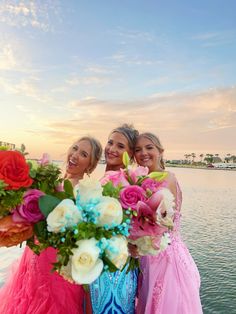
(121, 146)
(84, 155)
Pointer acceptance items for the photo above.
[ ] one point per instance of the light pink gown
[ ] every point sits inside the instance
(33, 289)
(170, 281)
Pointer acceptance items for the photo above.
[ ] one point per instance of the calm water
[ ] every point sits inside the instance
(208, 227)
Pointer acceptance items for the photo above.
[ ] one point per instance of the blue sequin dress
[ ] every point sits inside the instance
(114, 293)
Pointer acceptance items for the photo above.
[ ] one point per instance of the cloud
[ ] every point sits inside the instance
(24, 87)
(29, 13)
(133, 35)
(7, 58)
(185, 121)
(219, 38)
(89, 80)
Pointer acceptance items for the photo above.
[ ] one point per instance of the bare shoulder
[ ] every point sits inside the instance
(171, 178)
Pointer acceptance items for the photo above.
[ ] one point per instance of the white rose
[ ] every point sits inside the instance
(88, 189)
(110, 211)
(86, 266)
(117, 251)
(65, 214)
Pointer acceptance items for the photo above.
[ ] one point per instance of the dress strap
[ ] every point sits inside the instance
(178, 196)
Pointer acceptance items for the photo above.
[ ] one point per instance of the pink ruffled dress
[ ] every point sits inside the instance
(170, 281)
(34, 289)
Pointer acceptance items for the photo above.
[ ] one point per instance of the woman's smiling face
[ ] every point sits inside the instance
(79, 158)
(147, 154)
(116, 145)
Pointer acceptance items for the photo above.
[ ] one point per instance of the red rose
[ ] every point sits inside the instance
(14, 170)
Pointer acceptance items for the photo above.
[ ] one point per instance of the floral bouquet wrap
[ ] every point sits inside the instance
(21, 185)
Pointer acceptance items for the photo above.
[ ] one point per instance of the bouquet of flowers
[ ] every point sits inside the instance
(88, 228)
(21, 185)
(150, 203)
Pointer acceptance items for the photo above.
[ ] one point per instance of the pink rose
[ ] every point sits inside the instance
(130, 196)
(29, 210)
(150, 184)
(140, 171)
(116, 177)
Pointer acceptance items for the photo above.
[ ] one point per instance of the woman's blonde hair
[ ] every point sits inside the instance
(96, 151)
(130, 133)
(155, 140)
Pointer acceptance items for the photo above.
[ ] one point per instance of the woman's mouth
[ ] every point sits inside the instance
(72, 163)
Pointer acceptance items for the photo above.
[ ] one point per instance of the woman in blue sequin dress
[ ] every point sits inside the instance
(114, 293)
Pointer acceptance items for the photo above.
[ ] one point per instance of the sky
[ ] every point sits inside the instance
(74, 68)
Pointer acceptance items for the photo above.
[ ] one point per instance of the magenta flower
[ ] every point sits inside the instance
(150, 184)
(137, 172)
(155, 200)
(45, 160)
(130, 196)
(29, 210)
(144, 224)
(116, 177)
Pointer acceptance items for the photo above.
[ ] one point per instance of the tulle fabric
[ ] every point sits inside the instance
(33, 289)
(170, 282)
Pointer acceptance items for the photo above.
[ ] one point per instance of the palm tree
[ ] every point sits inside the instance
(227, 158)
(22, 149)
(201, 156)
(209, 158)
(193, 155)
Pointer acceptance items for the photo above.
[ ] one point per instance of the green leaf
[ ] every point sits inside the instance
(40, 229)
(158, 176)
(47, 203)
(125, 159)
(68, 188)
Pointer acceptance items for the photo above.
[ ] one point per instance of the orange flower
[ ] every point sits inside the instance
(13, 233)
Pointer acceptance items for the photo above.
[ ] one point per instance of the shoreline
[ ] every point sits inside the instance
(196, 167)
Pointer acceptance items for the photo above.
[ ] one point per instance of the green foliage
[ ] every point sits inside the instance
(110, 190)
(68, 188)
(133, 264)
(46, 178)
(9, 199)
(159, 176)
(4, 148)
(47, 203)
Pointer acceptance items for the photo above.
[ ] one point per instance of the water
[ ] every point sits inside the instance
(208, 228)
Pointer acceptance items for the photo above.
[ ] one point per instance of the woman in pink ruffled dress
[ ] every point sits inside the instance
(32, 287)
(170, 281)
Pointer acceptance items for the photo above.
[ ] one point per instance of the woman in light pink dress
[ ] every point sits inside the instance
(170, 281)
(32, 288)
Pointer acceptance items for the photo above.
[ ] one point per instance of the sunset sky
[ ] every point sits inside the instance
(72, 68)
